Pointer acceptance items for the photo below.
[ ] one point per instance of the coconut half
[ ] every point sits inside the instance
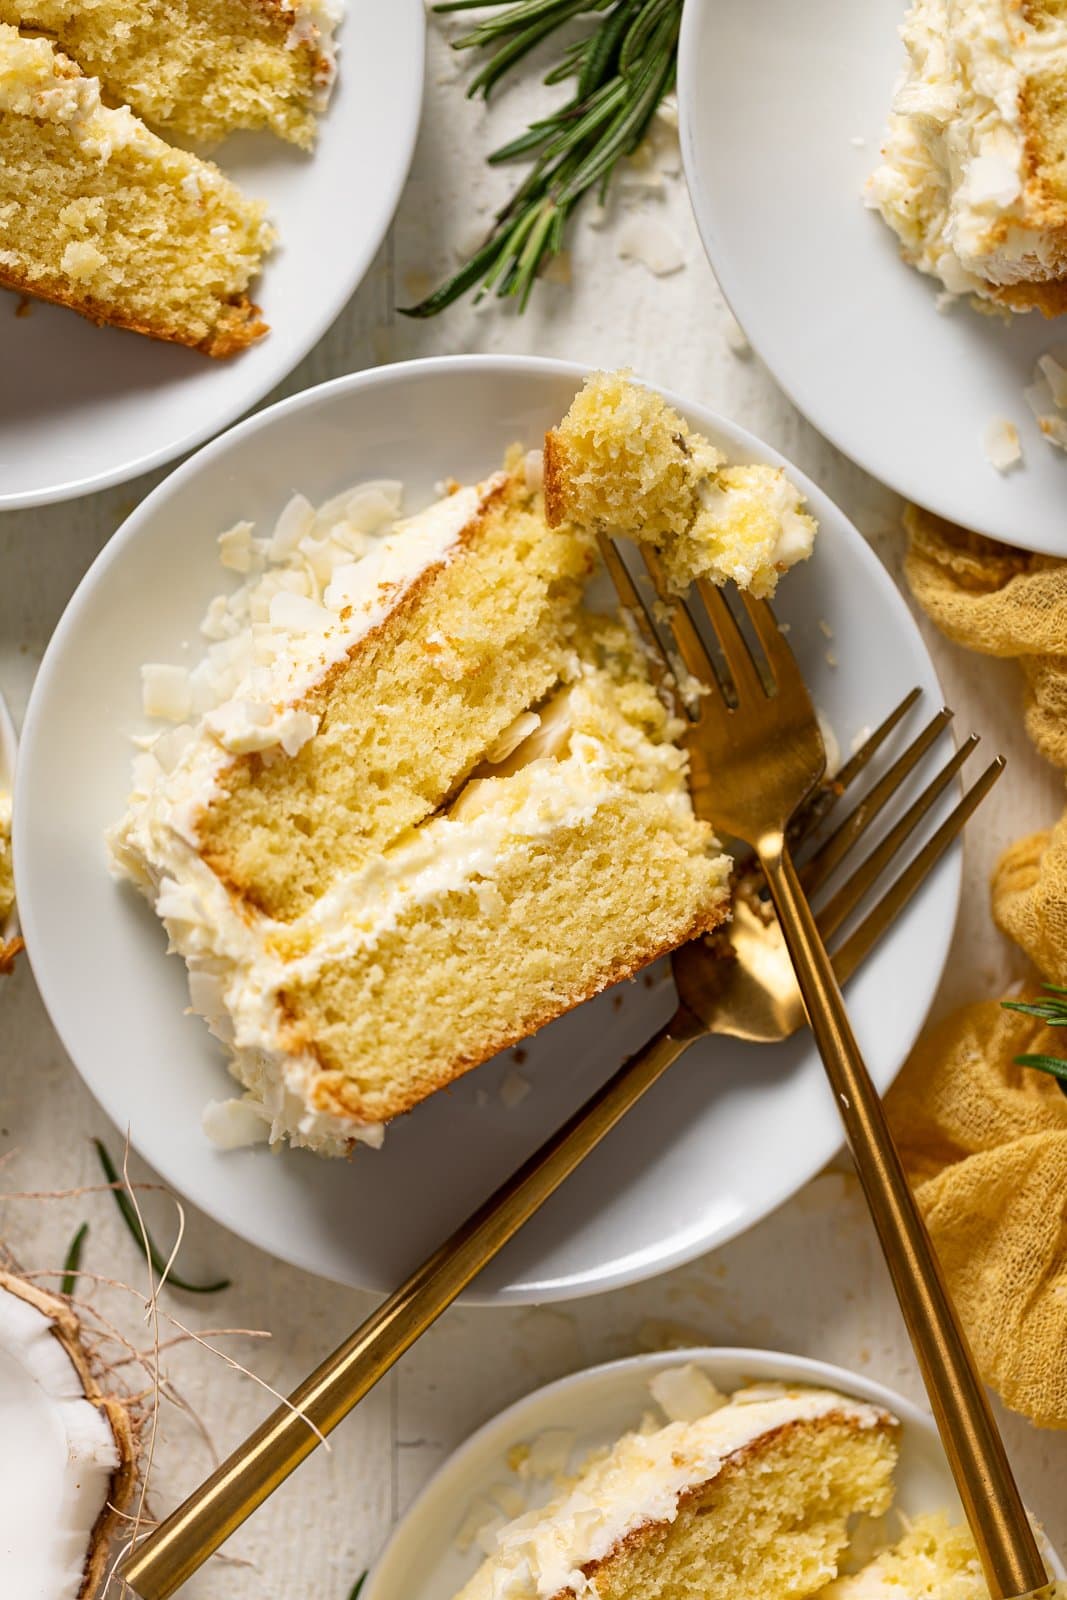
(67, 1457)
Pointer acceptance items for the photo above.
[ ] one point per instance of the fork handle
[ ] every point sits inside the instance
(169, 1555)
(1002, 1532)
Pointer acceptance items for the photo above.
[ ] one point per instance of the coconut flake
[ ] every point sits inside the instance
(548, 1455)
(1002, 447)
(651, 242)
(685, 1393)
(1054, 430)
(234, 1124)
(165, 692)
(1055, 375)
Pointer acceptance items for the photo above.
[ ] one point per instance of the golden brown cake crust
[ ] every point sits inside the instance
(240, 323)
(733, 1464)
(555, 479)
(337, 1095)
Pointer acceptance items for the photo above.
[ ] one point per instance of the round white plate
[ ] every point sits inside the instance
(8, 750)
(83, 407)
(421, 1560)
(733, 1132)
(774, 99)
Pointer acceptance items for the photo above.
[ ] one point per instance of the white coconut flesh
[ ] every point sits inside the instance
(59, 1454)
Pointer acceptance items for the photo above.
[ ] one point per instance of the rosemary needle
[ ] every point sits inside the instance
(129, 1216)
(1053, 1013)
(357, 1586)
(73, 1260)
(622, 66)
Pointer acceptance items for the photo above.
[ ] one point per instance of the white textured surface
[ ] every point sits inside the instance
(808, 1279)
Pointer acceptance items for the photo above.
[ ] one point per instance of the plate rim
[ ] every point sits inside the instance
(696, 15)
(530, 1290)
(777, 1365)
(318, 325)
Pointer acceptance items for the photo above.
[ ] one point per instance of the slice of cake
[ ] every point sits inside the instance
(748, 1503)
(419, 802)
(974, 171)
(99, 214)
(623, 462)
(200, 68)
(935, 1560)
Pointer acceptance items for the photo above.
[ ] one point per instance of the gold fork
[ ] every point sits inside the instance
(751, 995)
(756, 753)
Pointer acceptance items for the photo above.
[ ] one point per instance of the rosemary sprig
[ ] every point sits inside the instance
(622, 69)
(129, 1217)
(1053, 1013)
(73, 1260)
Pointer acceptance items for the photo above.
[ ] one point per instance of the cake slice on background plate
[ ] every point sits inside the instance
(420, 801)
(974, 172)
(199, 68)
(750, 1502)
(99, 214)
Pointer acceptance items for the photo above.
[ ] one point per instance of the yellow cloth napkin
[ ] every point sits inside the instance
(985, 1141)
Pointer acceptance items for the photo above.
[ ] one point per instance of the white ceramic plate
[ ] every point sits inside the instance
(421, 1561)
(773, 97)
(8, 750)
(83, 407)
(731, 1134)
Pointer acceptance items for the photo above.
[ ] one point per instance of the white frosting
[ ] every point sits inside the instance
(641, 1481)
(57, 1458)
(953, 180)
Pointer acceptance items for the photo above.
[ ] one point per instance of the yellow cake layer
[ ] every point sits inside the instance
(101, 215)
(589, 863)
(200, 68)
(478, 640)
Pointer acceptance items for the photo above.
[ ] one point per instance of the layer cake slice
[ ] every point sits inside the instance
(101, 215)
(749, 1502)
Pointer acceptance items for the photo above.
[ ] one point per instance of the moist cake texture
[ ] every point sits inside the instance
(624, 462)
(99, 214)
(199, 68)
(751, 1501)
(419, 801)
(974, 172)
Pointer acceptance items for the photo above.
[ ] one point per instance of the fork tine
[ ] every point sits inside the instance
(733, 644)
(819, 866)
(818, 806)
(852, 892)
(684, 630)
(780, 657)
(862, 940)
(633, 602)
